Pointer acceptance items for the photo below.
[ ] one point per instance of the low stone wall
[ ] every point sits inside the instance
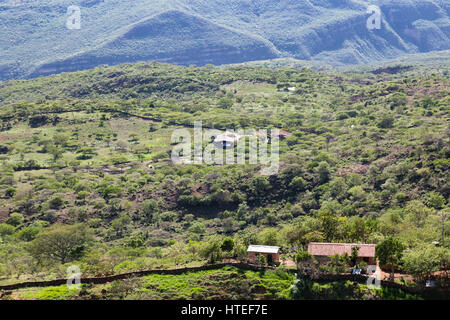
(106, 279)
(444, 292)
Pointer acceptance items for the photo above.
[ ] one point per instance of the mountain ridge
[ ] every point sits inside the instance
(34, 37)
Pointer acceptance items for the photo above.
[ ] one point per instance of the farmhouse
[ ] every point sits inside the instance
(261, 135)
(322, 251)
(282, 134)
(271, 253)
(226, 140)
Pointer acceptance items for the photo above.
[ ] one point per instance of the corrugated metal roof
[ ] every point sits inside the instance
(227, 136)
(263, 249)
(330, 249)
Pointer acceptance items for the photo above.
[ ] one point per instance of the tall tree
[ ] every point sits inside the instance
(389, 251)
(422, 261)
(60, 243)
(329, 224)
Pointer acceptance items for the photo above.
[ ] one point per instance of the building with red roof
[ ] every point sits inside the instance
(323, 250)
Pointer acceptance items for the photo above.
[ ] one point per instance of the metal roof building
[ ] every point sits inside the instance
(263, 249)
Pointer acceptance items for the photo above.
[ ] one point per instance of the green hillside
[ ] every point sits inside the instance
(85, 157)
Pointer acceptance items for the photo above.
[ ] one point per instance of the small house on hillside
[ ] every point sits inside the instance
(271, 253)
(226, 140)
(282, 134)
(262, 135)
(322, 251)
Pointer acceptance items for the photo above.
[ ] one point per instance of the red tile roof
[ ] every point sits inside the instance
(283, 133)
(330, 249)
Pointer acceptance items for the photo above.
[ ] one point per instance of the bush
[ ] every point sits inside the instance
(387, 121)
(10, 192)
(15, 219)
(197, 227)
(28, 233)
(6, 229)
(298, 184)
(435, 200)
(56, 203)
(149, 207)
(227, 244)
(302, 256)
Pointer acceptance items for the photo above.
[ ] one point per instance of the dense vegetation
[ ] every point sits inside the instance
(86, 177)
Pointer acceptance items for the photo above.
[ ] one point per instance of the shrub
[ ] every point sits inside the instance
(227, 244)
(302, 256)
(15, 219)
(56, 203)
(28, 233)
(10, 192)
(197, 227)
(387, 121)
(6, 229)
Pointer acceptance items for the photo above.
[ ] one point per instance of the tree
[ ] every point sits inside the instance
(329, 223)
(269, 236)
(60, 242)
(422, 261)
(298, 184)
(6, 229)
(56, 152)
(28, 233)
(303, 256)
(324, 172)
(120, 224)
(60, 140)
(225, 103)
(389, 252)
(338, 187)
(15, 219)
(339, 263)
(227, 244)
(242, 210)
(56, 203)
(358, 230)
(198, 228)
(292, 235)
(111, 191)
(260, 184)
(435, 200)
(386, 121)
(86, 153)
(149, 207)
(10, 192)
(354, 255)
(212, 251)
(302, 288)
(417, 213)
